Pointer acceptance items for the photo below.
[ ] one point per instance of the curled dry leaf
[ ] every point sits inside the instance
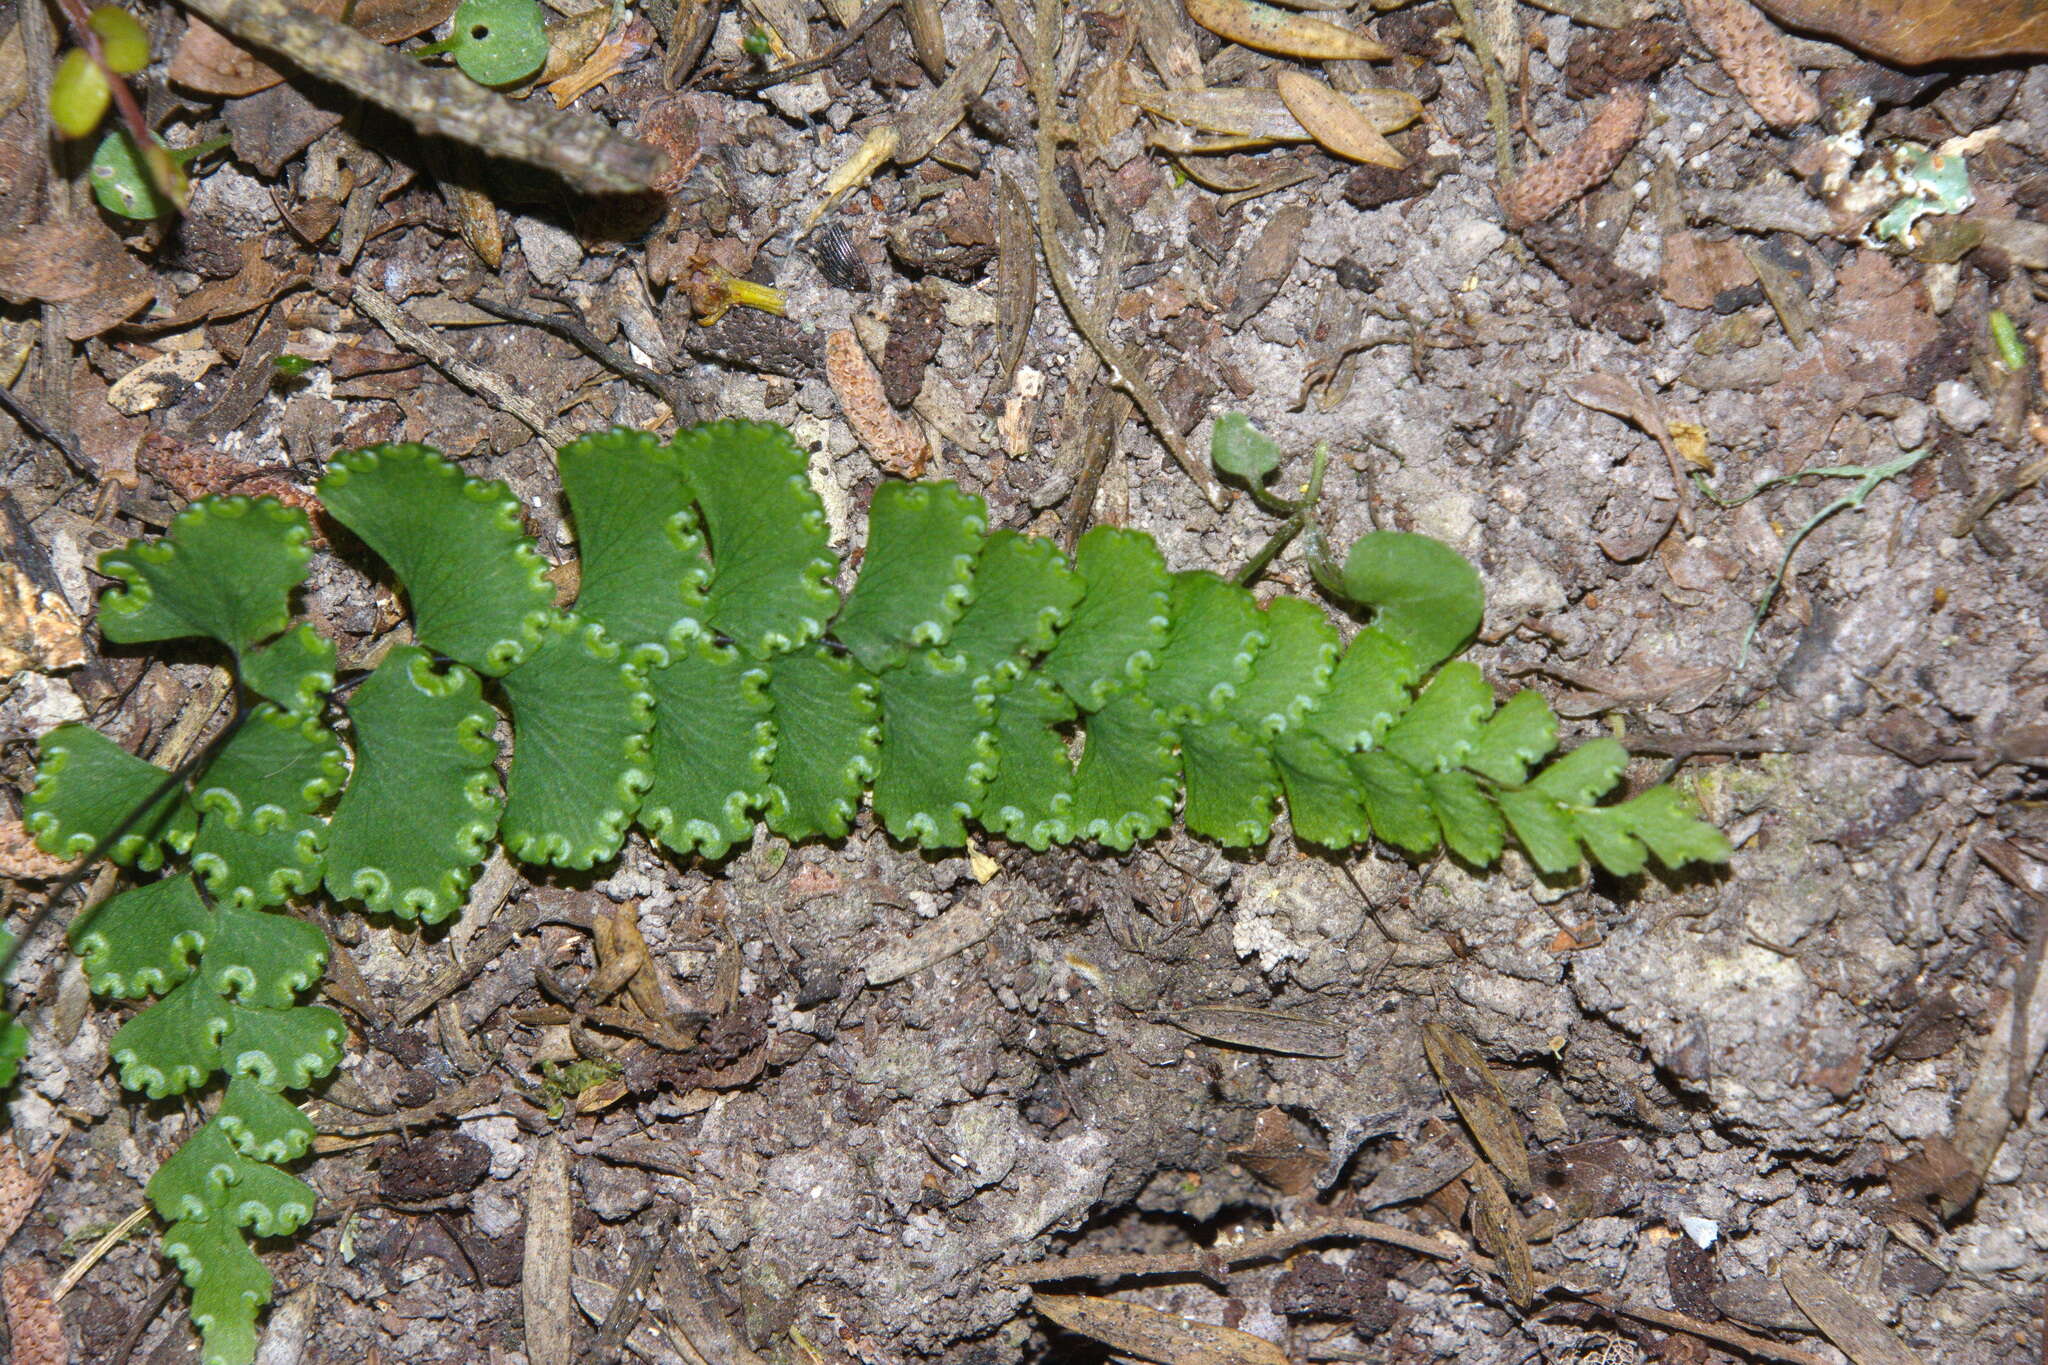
(1278, 30)
(1915, 32)
(38, 629)
(894, 440)
(1338, 126)
(1555, 181)
(1753, 53)
(76, 261)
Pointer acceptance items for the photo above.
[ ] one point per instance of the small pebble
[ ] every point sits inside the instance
(1961, 406)
(1909, 428)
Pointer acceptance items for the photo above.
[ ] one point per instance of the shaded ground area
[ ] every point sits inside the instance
(1801, 1070)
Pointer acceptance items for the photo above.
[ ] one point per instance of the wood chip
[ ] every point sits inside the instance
(1846, 1320)
(1152, 1335)
(544, 1286)
(35, 1325)
(1337, 125)
(1286, 33)
(896, 442)
(1470, 1084)
(38, 629)
(1260, 1030)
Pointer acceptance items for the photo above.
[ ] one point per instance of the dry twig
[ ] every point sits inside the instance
(441, 102)
(426, 343)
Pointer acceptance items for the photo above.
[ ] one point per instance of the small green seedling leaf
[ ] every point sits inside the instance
(1242, 450)
(121, 181)
(79, 94)
(495, 42)
(1427, 595)
(124, 42)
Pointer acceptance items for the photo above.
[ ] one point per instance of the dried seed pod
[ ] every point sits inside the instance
(832, 247)
(1753, 53)
(1550, 184)
(896, 442)
(1338, 126)
(1277, 30)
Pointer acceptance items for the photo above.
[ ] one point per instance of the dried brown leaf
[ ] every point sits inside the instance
(1150, 1334)
(1260, 1030)
(1338, 126)
(1016, 275)
(1284, 32)
(35, 1325)
(77, 262)
(1279, 1155)
(1477, 1095)
(923, 126)
(1501, 1233)
(953, 931)
(38, 629)
(1915, 32)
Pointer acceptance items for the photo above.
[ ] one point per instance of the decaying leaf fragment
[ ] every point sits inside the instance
(1555, 181)
(893, 439)
(1248, 118)
(1149, 1334)
(38, 629)
(1845, 1319)
(1338, 126)
(1281, 31)
(1753, 53)
(1477, 1095)
(1261, 1030)
(1501, 1232)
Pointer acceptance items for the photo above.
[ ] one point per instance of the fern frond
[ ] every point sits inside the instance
(225, 569)
(938, 748)
(827, 742)
(642, 561)
(1121, 622)
(422, 804)
(917, 575)
(87, 785)
(579, 748)
(771, 588)
(710, 751)
(479, 591)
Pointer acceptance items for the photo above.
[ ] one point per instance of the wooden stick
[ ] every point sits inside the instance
(580, 148)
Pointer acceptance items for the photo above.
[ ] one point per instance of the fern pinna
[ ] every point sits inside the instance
(711, 674)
